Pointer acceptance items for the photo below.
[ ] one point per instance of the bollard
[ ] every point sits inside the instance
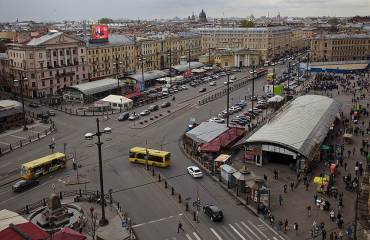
(46, 132)
(29, 138)
(20, 143)
(0, 152)
(179, 198)
(80, 192)
(60, 195)
(27, 210)
(38, 135)
(194, 216)
(152, 171)
(172, 191)
(165, 184)
(10, 147)
(237, 192)
(118, 205)
(187, 207)
(44, 202)
(159, 177)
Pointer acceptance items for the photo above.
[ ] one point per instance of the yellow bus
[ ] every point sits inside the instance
(43, 166)
(155, 157)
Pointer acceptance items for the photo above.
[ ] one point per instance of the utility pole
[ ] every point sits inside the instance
(189, 57)
(273, 82)
(253, 76)
(288, 77)
(209, 54)
(228, 100)
(307, 63)
(298, 68)
(117, 71)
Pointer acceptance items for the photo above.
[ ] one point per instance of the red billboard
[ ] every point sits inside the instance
(99, 32)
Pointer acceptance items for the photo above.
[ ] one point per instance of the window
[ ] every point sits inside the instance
(74, 51)
(54, 53)
(61, 53)
(82, 51)
(50, 73)
(33, 84)
(43, 83)
(31, 55)
(51, 82)
(140, 156)
(67, 52)
(83, 76)
(42, 74)
(32, 75)
(77, 77)
(40, 55)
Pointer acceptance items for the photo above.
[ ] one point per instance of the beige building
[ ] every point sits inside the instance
(50, 63)
(230, 58)
(133, 54)
(271, 42)
(340, 47)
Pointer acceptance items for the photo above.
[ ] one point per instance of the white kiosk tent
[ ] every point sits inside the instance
(118, 102)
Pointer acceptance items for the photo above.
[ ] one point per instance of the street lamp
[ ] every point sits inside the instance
(228, 99)
(169, 54)
(20, 82)
(253, 77)
(103, 221)
(117, 63)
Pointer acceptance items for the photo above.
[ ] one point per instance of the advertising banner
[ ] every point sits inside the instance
(99, 32)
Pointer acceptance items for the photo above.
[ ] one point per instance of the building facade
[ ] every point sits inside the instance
(49, 63)
(340, 47)
(231, 58)
(271, 42)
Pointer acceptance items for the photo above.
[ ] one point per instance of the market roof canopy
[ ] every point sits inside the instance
(300, 126)
(148, 76)
(276, 98)
(185, 67)
(207, 131)
(98, 86)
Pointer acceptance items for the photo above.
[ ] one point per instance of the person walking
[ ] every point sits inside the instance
(280, 200)
(292, 186)
(179, 227)
(349, 232)
(309, 210)
(286, 225)
(345, 167)
(332, 215)
(323, 234)
(285, 188)
(315, 199)
(295, 226)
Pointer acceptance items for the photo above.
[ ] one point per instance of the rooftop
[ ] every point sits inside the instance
(207, 131)
(97, 86)
(184, 67)
(343, 36)
(151, 75)
(113, 40)
(44, 38)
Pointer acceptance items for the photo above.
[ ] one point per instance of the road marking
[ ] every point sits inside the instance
(157, 220)
(241, 236)
(188, 237)
(33, 131)
(228, 232)
(216, 234)
(275, 238)
(196, 236)
(257, 229)
(245, 232)
(17, 136)
(270, 228)
(5, 143)
(246, 226)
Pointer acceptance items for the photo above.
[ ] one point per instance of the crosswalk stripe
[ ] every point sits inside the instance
(275, 238)
(271, 228)
(245, 232)
(228, 232)
(188, 236)
(257, 229)
(196, 236)
(216, 234)
(246, 226)
(241, 236)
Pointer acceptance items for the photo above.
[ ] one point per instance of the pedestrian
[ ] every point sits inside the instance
(315, 199)
(349, 232)
(265, 177)
(285, 188)
(280, 225)
(295, 226)
(354, 150)
(272, 220)
(307, 185)
(286, 225)
(360, 168)
(309, 210)
(345, 167)
(276, 175)
(357, 169)
(179, 227)
(280, 199)
(292, 186)
(323, 234)
(332, 215)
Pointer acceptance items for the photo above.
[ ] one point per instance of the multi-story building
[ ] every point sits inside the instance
(340, 47)
(50, 63)
(272, 42)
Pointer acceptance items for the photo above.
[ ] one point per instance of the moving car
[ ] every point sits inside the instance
(123, 116)
(133, 117)
(33, 105)
(153, 108)
(212, 83)
(145, 112)
(202, 89)
(51, 112)
(195, 172)
(213, 212)
(230, 82)
(165, 104)
(23, 185)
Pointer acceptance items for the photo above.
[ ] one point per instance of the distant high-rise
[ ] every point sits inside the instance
(202, 16)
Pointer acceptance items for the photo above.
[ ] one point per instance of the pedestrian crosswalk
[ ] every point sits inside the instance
(241, 230)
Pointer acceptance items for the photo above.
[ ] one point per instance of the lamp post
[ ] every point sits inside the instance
(228, 99)
(24, 112)
(273, 82)
(169, 54)
(253, 76)
(142, 61)
(288, 77)
(103, 221)
(117, 63)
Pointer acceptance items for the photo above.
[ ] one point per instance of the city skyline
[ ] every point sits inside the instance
(41, 10)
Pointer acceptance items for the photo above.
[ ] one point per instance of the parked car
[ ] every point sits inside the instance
(133, 117)
(33, 105)
(195, 172)
(165, 104)
(51, 112)
(145, 112)
(213, 212)
(217, 120)
(184, 87)
(153, 108)
(23, 185)
(123, 116)
(202, 89)
(212, 83)
(230, 82)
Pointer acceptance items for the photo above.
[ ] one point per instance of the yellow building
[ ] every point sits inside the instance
(229, 58)
(340, 47)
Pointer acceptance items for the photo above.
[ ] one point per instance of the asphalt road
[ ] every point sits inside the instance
(154, 212)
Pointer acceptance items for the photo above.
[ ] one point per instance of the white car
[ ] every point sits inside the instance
(195, 172)
(230, 82)
(212, 84)
(217, 120)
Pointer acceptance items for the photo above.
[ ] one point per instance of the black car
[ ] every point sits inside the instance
(165, 104)
(153, 108)
(33, 105)
(23, 185)
(123, 116)
(213, 212)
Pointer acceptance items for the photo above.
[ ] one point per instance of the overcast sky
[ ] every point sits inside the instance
(56, 10)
